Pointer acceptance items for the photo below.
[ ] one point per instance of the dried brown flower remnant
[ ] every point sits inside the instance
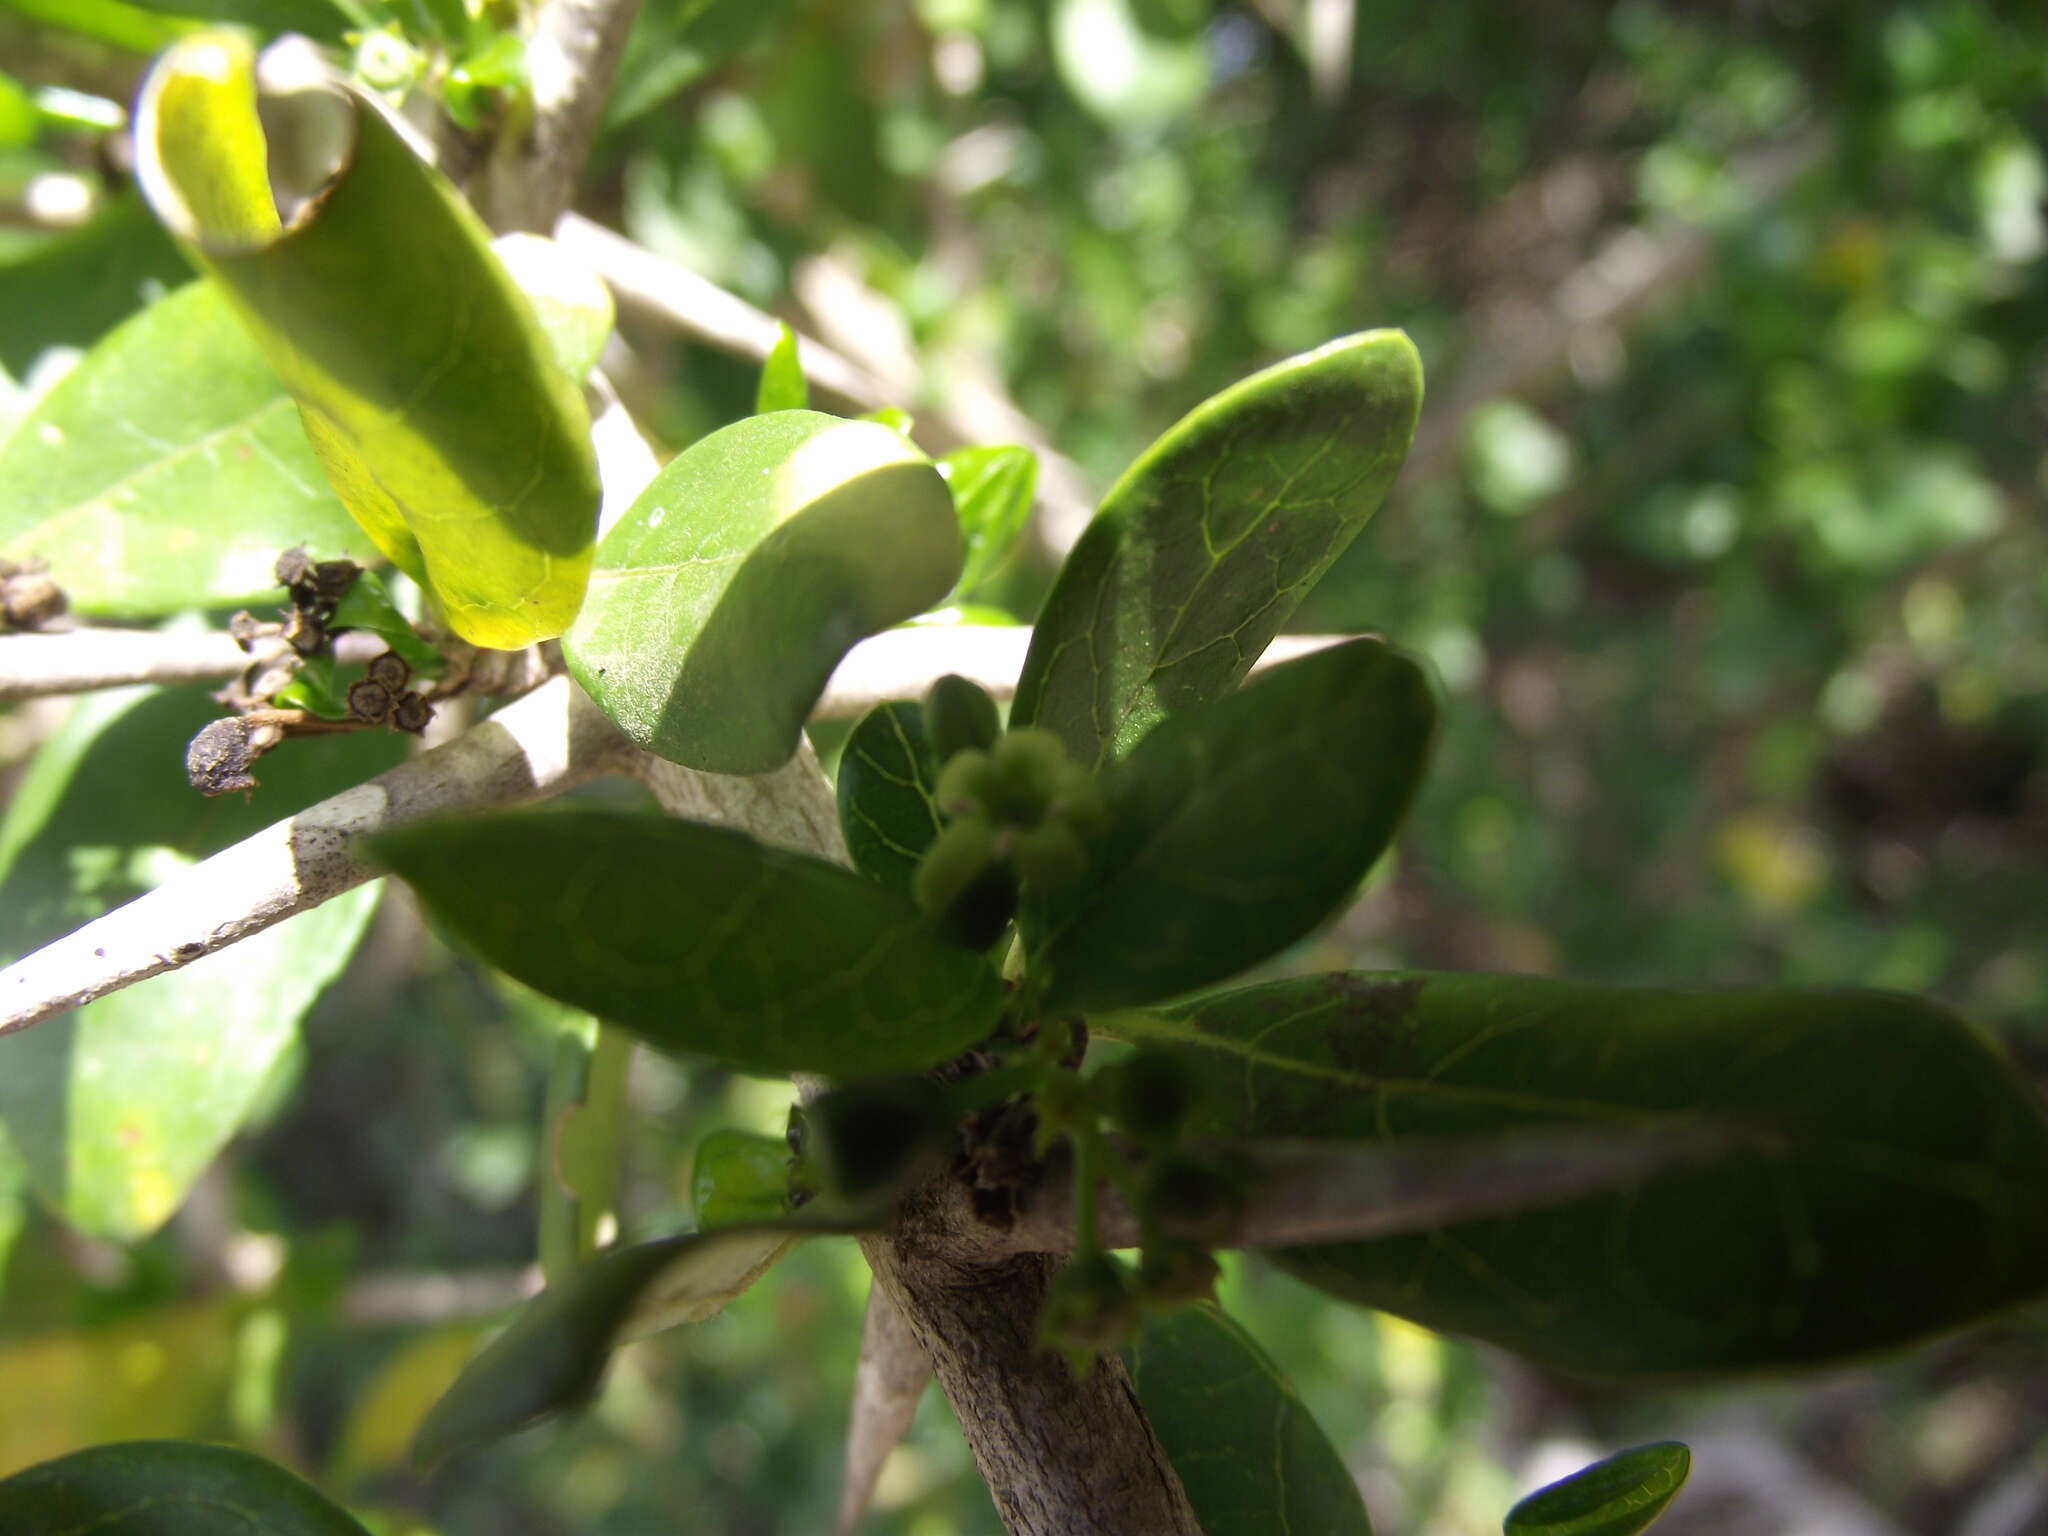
(29, 599)
(219, 758)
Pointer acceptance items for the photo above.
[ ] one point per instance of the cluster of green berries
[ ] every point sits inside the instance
(1185, 1206)
(1016, 808)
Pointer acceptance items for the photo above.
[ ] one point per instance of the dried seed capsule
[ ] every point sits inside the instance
(389, 671)
(293, 566)
(369, 702)
(959, 717)
(217, 760)
(412, 713)
(30, 599)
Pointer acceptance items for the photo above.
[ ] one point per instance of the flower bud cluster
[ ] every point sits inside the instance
(1017, 810)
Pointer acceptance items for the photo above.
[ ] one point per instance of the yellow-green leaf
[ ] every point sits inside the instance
(428, 392)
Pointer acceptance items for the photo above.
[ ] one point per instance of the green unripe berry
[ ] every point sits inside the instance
(1192, 1200)
(1078, 800)
(1091, 1308)
(959, 717)
(963, 882)
(1173, 1274)
(958, 856)
(1146, 1094)
(1050, 855)
(966, 784)
(866, 1136)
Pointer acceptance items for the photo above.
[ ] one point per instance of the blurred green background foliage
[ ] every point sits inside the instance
(1724, 533)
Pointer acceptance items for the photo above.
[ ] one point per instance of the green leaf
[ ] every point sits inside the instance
(1885, 1183)
(1237, 826)
(552, 1356)
(992, 490)
(894, 417)
(676, 43)
(584, 1122)
(133, 27)
(782, 386)
(739, 1177)
(168, 469)
(699, 939)
(117, 1108)
(13, 1202)
(367, 605)
(428, 392)
(166, 1488)
(570, 302)
(731, 589)
(1616, 1497)
(316, 688)
(1249, 1455)
(1209, 541)
(311, 18)
(72, 290)
(887, 780)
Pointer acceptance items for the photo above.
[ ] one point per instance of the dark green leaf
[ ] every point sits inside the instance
(782, 386)
(731, 589)
(71, 290)
(317, 689)
(1214, 535)
(737, 1177)
(992, 490)
(1237, 826)
(886, 782)
(1616, 1497)
(166, 1488)
(1885, 1184)
(446, 427)
(13, 1201)
(699, 939)
(168, 469)
(552, 1356)
(1251, 1458)
(117, 1108)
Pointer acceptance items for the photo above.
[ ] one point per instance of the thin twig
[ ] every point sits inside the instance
(82, 660)
(547, 742)
(657, 288)
(572, 52)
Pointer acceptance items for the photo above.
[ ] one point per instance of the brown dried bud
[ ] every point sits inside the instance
(331, 580)
(293, 566)
(303, 632)
(247, 629)
(217, 761)
(389, 671)
(369, 702)
(413, 714)
(29, 599)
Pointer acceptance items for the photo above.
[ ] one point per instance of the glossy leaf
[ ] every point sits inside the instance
(753, 562)
(552, 1356)
(1210, 540)
(166, 1488)
(570, 302)
(992, 490)
(887, 780)
(1248, 1453)
(446, 427)
(1617, 1497)
(70, 290)
(168, 469)
(782, 386)
(1885, 1183)
(1237, 826)
(118, 1107)
(738, 1177)
(699, 939)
